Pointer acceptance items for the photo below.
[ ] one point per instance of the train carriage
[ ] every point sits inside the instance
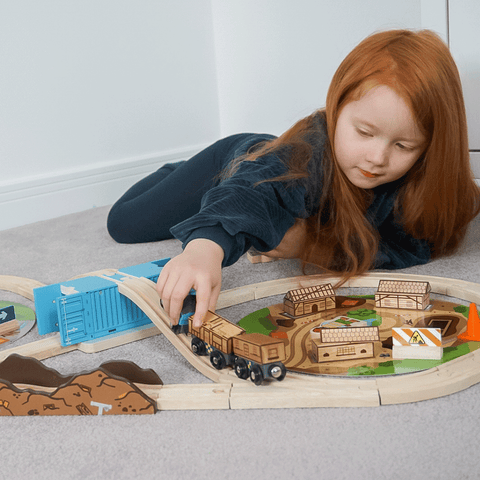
(215, 337)
(259, 357)
(252, 355)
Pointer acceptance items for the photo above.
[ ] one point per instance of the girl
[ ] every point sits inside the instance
(378, 179)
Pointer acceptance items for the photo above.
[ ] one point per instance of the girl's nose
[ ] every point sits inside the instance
(378, 155)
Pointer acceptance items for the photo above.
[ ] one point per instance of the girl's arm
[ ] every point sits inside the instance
(241, 212)
(199, 266)
(234, 215)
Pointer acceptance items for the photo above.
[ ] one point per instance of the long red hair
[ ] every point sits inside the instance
(438, 198)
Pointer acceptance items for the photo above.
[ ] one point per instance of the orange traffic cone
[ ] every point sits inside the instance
(473, 326)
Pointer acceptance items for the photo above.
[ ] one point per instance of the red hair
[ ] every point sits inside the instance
(438, 198)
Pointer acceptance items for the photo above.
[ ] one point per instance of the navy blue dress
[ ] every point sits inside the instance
(187, 200)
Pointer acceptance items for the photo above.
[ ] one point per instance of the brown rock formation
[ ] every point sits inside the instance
(96, 393)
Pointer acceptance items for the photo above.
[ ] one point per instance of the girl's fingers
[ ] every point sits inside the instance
(203, 303)
(172, 295)
(176, 301)
(161, 282)
(198, 267)
(214, 297)
(207, 297)
(165, 285)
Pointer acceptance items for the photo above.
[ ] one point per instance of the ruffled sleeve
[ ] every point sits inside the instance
(239, 213)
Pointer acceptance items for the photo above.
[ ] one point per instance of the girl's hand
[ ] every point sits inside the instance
(198, 267)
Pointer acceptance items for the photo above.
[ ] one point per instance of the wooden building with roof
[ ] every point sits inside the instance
(309, 300)
(402, 294)
(344, 343)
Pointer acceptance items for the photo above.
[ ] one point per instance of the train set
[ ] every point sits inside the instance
(230, 393)
(91, 307)
(98, 305)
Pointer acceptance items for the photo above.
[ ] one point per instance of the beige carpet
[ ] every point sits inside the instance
(433, 439)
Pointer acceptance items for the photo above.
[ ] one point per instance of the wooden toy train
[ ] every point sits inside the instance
(251, 354)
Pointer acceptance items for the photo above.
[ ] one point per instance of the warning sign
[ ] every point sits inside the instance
(417, 337)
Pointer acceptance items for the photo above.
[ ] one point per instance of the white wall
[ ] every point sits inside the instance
(275, 58)
(464, 36)
(94, 94)
(457, 22)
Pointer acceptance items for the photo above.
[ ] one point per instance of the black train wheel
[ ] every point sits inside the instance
(198, 347)
(256, 375)
(218, 360)
(241, 368)
(277, 371)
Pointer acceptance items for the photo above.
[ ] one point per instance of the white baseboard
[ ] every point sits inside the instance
(475, 161)
(33, 199)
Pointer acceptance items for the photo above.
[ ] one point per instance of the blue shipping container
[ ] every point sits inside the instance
(91, 307)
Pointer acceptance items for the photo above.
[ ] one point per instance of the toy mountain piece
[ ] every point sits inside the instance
(99, 392)
(473, 326)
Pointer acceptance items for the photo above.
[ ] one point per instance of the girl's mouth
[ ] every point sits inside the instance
(368, 174)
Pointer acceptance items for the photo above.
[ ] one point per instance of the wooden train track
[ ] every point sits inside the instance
(297, 390)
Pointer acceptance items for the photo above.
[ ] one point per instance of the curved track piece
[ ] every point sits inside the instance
(19, 285)
(143, 293)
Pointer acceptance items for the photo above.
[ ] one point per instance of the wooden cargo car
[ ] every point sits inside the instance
(259, 357)
(217, 332)
(252, 355)
(259, 348)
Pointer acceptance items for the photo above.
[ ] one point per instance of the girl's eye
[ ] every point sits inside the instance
(404, 147)
(363, 133)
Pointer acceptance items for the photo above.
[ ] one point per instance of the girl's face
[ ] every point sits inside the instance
(377, 140)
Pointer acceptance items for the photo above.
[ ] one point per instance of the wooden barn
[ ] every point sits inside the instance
(402, 294)
(306, 301)
(349, 343)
